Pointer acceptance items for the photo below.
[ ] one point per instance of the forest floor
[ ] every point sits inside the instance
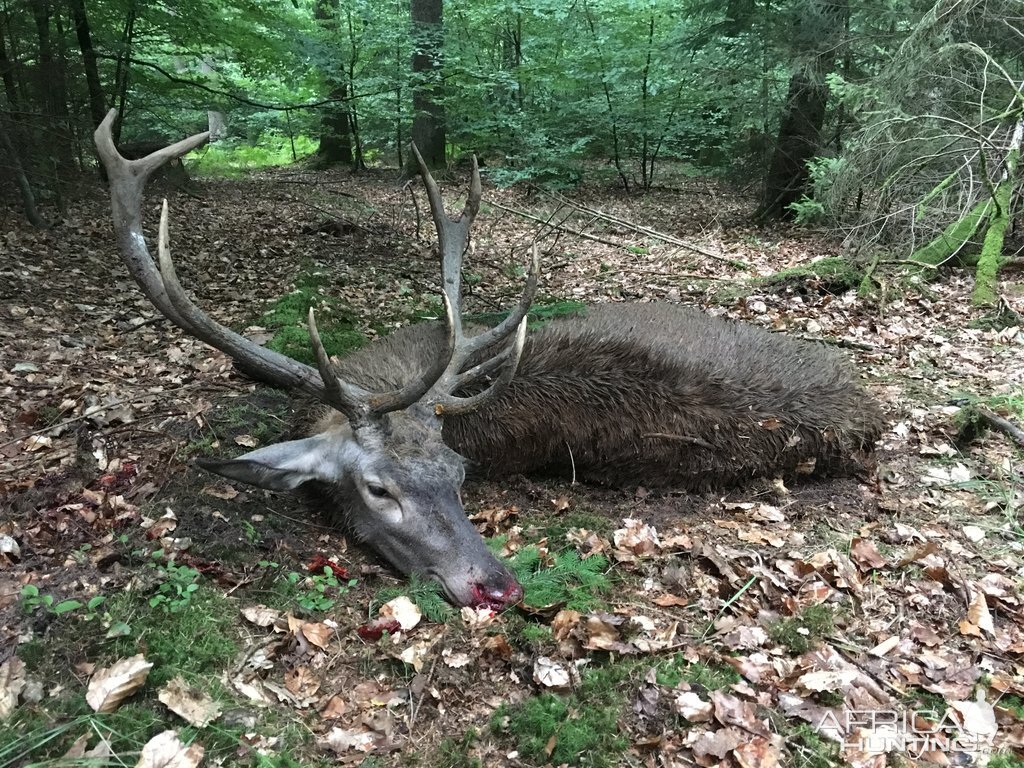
(863, 620)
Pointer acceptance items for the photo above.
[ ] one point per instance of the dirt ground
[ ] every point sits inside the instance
(103, 405)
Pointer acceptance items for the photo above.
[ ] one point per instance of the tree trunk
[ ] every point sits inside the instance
(51, 85)
(335, 125)
(28, 199)
(97, 103)
(817, 40)
(428, 124)
(122, 73)
(798, 140)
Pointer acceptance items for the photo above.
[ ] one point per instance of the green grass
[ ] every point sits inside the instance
(580, 728)
(288, 318)
(543, 310)
(232, 158)
(198, 639)
(800, 633)
(710, 677)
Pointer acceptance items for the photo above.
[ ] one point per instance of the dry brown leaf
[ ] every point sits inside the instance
(166, 750)
(551, 674)
(403, 610)
(691, 706)
(317, 633)
(667, 600)
(112, 685)
(192, 705)
(866, 554)
(978, 618)
(12, 683)
(261, 615)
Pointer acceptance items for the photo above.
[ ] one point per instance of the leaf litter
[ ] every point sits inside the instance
(895, 593)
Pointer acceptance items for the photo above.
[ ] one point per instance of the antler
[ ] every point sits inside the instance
(453, 238)
(160, 285)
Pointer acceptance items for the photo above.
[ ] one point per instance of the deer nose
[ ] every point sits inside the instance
(505, 595)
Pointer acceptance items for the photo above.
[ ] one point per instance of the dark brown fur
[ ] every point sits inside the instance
(652, 394)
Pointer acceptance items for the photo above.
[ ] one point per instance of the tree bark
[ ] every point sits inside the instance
(52, 86)
(335, 124)
(428, 124)
(97, 103)
(28, 199)
(817, 39)
(798, 141)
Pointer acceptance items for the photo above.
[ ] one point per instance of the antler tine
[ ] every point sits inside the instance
(277, 368)
(453, 237)
(450, 405)
(161, 286)
(359, 404)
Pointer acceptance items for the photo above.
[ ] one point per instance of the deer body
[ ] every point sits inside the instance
(651, 394)
(648, 394)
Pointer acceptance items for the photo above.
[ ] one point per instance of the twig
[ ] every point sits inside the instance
(1000, 424)
(560, 227)
(93, 410)
(641, 229)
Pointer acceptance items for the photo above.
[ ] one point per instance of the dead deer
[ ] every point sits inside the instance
(641, 393)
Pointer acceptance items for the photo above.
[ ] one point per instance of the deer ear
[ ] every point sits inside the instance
(285, 466)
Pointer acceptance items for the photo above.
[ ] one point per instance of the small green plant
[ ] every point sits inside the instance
(33, 600)
(577, 729)
(563, 579)
(316, 593)
(799, 633)
(175, 592)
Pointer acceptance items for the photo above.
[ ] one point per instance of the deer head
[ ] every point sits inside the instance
(384, 465)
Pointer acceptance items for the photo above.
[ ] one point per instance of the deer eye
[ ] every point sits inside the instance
(377, 490)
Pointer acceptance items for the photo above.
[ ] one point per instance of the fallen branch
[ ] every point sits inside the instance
(647, 231)
(560, 227)
(998, 423)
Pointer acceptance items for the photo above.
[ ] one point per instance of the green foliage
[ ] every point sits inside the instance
(426, 594)
(798, 634)
(234, 157)
(33, 600)
(318, 592)
(564, 579)
(289, 317)
(179, 583)
(583, 724)
(814, 209)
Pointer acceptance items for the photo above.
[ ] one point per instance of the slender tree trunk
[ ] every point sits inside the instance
(97, 103)
(51, 85)
(799, 137)
(28, 199)
(122, 73)
(335, 124)
(428, 124)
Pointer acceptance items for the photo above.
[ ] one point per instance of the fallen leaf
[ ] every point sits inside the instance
(166, 750)
(192, 705)
(112, 685)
